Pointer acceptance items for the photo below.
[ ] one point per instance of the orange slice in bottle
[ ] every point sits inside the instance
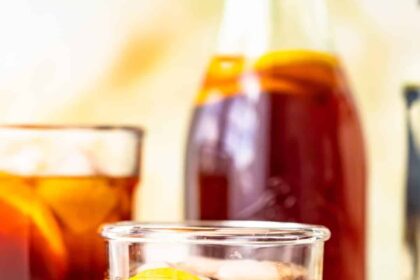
(166, 273)
(285, 69)
(287, 57)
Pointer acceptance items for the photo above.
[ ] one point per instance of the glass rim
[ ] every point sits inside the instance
(138, 130)
(241, 233)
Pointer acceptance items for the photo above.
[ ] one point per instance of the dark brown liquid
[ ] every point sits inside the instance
(49, 228)
(280, 140)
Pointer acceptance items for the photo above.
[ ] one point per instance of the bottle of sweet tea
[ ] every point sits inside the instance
(275, 133)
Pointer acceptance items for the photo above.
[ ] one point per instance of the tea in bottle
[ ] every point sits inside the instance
(275, 134)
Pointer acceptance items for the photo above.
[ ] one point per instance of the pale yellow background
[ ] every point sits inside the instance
(140, 62)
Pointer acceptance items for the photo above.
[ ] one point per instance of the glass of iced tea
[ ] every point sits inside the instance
(57, 186)
(245, 250)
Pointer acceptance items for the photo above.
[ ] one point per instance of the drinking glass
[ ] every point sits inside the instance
(215, 250)
(58, 184)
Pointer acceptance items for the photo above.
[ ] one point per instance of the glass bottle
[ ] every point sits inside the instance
(275, 134)
(412, 230)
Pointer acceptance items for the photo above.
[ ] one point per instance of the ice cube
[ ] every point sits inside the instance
(247, 270)
(288, 271)
(27, 160)
(201, 266)
(115, 153)
(69, 161)
(242, 269)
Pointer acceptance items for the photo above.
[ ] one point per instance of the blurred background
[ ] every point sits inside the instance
(140, 62)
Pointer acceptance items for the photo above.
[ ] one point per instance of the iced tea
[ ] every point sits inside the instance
(62, 189)
(278, 138)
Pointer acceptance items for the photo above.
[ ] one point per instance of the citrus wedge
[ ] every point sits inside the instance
(19, 205)
(166, 273)
(81, 204)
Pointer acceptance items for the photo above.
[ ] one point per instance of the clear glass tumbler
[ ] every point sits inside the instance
(58, 185)
(235, 250)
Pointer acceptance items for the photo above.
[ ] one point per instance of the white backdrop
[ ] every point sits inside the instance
(140, 62)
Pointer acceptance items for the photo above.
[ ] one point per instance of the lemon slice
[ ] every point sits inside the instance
(166, 273)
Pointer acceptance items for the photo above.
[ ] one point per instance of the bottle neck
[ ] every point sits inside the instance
(255, 27)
